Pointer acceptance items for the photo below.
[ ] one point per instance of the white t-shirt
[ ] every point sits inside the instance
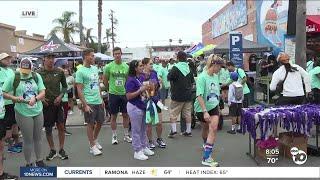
(292, 86)
(70, 82)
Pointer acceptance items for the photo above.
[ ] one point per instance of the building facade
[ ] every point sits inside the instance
(239, 16)
(15, 42)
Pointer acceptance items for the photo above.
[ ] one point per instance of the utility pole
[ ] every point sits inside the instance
(113, 21)
(300, 52)
(99, 24)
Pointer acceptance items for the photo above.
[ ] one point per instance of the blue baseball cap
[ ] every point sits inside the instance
(234, 76)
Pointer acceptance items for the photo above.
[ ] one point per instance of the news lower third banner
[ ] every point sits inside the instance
(171, 172)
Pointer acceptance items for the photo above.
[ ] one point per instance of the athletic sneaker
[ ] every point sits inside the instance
(187, 134)
(14, 149)
(98, 145)
(127, 138)
(95, 151)
(52, 155)
(70, 112)
(172, 134)
(40, 164)
(161, 143)
(210, 162)
(114, 140)
(239, 131)
(232, 132)
(67, 133)
(8, 176)
(146, 151)
(151, 145)
(62, 154)
(140, 156)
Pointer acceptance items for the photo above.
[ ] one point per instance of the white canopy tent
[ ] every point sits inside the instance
(103, 57)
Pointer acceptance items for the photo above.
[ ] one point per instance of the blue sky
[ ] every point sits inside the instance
(140, 22)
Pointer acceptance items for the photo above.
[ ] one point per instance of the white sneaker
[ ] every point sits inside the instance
(147, 152)
(70, 113)
(98, 145)
(114, 140)
(95, 151)
(127, 138)
(140, 156)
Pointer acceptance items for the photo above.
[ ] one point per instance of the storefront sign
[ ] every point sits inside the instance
(236, 51)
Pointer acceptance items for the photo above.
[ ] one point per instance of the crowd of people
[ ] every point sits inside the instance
(32, 100)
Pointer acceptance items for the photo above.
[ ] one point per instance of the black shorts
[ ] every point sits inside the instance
(52, 114)
(212, 112)
(9, 117)
(97, 114)
(70, 93)
(235, 109)
(117, 103)
(3, 129)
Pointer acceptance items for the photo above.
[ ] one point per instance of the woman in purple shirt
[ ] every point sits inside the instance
(136, 109)
(151, 75)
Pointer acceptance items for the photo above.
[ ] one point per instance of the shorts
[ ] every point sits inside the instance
(117, 103)
(164, 93)
(235, 109)
(97, 114)
(70, 93)
(52, 114)
(9, 117)
(3, 129)
(183, 108)
(212, 112)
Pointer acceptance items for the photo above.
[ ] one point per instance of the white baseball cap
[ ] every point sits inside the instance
(4, 55)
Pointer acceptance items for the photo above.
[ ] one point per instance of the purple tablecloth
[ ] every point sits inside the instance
(292, 118)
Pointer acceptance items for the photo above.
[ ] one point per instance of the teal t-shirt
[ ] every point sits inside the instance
(208, 87)
(89, 77)
(2, 109)
(164, 76)
(170, 66)
(117, 75)
(157, 68)
(65, 96)
(224, 76)
(242, 74)
(6, 73)
(315, 80)
(27, 88)
(309, 66)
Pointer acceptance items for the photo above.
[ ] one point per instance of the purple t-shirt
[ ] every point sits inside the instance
(132, 85)
(154, 78)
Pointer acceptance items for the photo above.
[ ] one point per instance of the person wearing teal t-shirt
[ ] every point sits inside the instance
(28, 94)
(87, 80)
(5, 61)
(12, 128)
(115, 76)
(315, 81)
(206, 106)
(164, 91)
(242, 79)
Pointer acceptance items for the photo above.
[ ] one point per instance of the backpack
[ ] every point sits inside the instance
(238, 91)
(17, 79)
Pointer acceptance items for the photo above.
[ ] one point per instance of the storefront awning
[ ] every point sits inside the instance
(313, 24)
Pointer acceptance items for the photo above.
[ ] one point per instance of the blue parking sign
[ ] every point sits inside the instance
(236, 52)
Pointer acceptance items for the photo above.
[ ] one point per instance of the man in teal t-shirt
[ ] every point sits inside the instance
(115, 76)
(12, 128)
(163, 74)
(315, 83)
(243, 79)
(87, 80)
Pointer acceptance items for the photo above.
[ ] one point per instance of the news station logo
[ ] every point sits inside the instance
(298, 156)
(38, 171)
(29, 13)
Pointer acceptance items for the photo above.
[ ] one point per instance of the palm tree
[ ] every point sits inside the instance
(66, 26)
(88, 38)
(108, 37)
(99, 24)
(80, 24)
